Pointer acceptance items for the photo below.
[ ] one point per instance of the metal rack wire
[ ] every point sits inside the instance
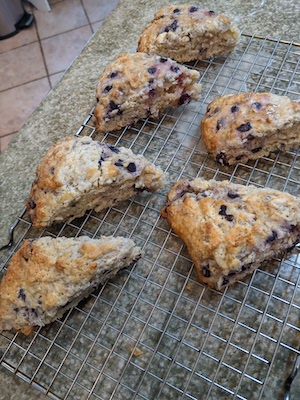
(154, 331)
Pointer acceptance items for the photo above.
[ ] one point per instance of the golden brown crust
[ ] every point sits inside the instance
(45, 274)
(250, 125)
(186, 33)
(230, 229)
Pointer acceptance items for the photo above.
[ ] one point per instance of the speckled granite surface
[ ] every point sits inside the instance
(63, 110)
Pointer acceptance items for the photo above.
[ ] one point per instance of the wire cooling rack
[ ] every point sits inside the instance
(154, 331)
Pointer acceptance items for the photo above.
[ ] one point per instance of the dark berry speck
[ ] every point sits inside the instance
(176, 11)
(52, 170)
(114, 149)
(257, 105)
(31, 204)
(172, 27)
(113, 105)
(119, 163)
(225, 282)
(152, 70)
(185, 98)
(272, 237)
(211, 12)
(174, 68)
(22, 294)
(193, 9)
(152, 93)
(256, 150)
(250, 137)
(223, 209)
(244, 127)
(107, 88)
(205, 272)
(234, 109)
(223, 212)
(113, 74)
(131, 167)
(163, 59)
(220, 158)
(232, 194)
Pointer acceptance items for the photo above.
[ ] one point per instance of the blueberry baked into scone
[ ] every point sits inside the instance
(48, 276)
(187, 33)
(230, 229)
(80, 174)
(136, 86)
(247, 126)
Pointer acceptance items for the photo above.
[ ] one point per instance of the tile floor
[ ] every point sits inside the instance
(32, 61)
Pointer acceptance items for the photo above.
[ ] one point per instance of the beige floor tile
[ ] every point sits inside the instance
(17, 104)
(99, 9)
(55, 78)
(21, 65)
(64, 16)
(22, 38)
(5, 140)
(96, 25)
(62, 49)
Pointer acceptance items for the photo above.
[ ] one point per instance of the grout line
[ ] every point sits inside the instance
(25, 83)
(43, 54)
(8, 134)
(87, 17)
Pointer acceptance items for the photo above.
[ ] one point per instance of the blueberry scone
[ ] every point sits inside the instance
(230, 229)
(186, 33)
(80, 174)
(48, 276)
(246, 126)
(136, 86)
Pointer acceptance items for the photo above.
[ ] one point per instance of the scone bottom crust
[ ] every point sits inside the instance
(229, 229)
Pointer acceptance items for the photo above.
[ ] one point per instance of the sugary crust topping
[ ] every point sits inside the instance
(46, 273)
(138, 85)
(78, 166)
(243, 121)
(227, 226)
(175, 32)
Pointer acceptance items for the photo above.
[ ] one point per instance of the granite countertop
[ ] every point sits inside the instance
(64, 109)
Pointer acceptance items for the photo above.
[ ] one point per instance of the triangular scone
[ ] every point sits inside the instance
(79, 174)
(136, 86)
(48, 276)
(230, 229)
(187, 32)
(246, 126)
